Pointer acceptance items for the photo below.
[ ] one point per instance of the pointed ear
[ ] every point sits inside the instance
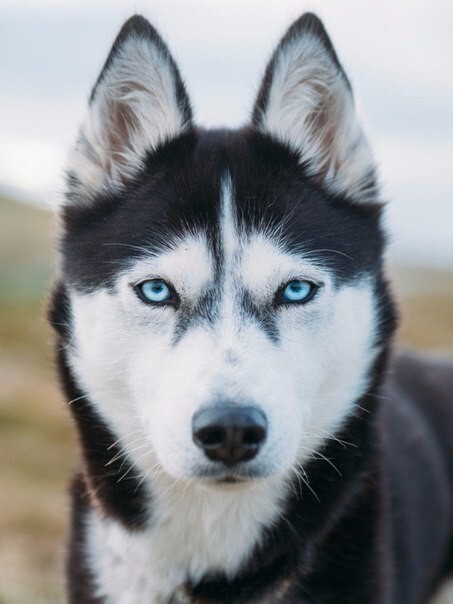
(306, 102)
(138, 102)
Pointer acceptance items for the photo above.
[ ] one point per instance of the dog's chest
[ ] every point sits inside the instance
(178, 549)
(130, 567)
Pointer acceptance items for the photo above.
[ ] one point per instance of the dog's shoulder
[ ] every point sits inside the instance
(425, 383)
(418, 400)
(416, 457)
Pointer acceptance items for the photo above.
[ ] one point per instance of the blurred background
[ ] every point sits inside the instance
(398, 57)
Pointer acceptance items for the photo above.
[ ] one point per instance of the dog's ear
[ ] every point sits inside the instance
(138, 102)
(305, 101)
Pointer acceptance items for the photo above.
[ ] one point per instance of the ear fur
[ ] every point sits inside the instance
(306, 102)
(138, 102)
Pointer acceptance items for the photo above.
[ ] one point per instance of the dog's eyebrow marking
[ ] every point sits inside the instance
(220, 304)
(229, 242)
(228, 224)
(237, 301)
(226, 301)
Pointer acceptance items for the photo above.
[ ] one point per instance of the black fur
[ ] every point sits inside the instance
(174, 192)
(374, 529)
(81, 586)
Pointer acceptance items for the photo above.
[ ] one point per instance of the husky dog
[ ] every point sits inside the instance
(224, 331)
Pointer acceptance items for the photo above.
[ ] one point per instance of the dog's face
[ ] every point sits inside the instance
(224, 286)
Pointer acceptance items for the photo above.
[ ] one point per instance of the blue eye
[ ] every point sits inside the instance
(298, 291)
(154, 291)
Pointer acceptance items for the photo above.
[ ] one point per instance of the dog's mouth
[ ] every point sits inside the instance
(229, 480)
(227, 477)
(229, 483)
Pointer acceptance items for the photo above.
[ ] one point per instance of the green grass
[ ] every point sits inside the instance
(37, 452)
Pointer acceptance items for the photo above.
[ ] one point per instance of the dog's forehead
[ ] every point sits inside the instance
(182, 194)
(253, 261)
(264, 263)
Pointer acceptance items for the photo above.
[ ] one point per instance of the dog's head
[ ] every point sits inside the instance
(225, 287)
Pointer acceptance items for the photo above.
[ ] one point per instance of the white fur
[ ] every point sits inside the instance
(134, 109)
(228, 226)
(311, 108)
(147, 389)
(192, 529)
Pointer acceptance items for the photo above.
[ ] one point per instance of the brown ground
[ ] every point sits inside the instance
(36, 441)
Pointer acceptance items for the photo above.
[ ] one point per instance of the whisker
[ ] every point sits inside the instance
(138, 431)
(132, 462)
(79, 398)
(379, 396)
(132, 466)
(335, 252)
(124, 453)
(329, 461)
(361, 408)
(304, 479)
(137, 248)
(329, 436)
(141, 481)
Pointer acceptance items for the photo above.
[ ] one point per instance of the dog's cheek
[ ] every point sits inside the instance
(345, 354)
(327, 352)
(146, 369)
(98, 350)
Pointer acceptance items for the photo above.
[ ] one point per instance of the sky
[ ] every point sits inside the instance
(398, 56)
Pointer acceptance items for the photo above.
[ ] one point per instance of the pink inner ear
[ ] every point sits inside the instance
(119, 140)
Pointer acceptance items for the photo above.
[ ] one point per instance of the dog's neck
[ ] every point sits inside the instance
(192, 532)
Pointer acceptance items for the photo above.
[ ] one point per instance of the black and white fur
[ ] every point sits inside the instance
(349, 498)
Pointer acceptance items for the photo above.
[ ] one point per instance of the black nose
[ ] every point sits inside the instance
(229, 434)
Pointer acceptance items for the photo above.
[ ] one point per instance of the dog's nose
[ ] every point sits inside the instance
(229, 434)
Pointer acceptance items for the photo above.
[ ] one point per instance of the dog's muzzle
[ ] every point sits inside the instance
(229, 434)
